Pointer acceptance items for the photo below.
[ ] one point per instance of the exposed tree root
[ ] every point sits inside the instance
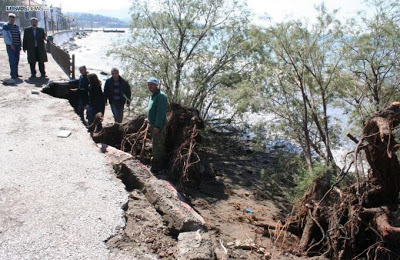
(354, 222)
(181, 141)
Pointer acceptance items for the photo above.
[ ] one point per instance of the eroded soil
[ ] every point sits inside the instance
(231, 206)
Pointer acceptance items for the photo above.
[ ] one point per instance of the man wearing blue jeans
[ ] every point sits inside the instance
(118, 92)
(12, 39)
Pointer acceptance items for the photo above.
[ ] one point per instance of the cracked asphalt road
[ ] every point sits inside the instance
(58, 196)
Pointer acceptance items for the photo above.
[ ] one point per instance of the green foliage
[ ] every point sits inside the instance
(304, 180)
(196, 49)
(301, 81)
(290, 177)
(372, 59)
(207, 55)
(281, 176)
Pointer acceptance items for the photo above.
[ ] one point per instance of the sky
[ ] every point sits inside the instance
(278, 10)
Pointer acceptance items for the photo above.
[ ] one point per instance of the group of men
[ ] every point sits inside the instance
(33, 42)
(91, 97)
(117, 93)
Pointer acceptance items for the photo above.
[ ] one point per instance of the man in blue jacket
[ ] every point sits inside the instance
(157, 118)
(12, 39)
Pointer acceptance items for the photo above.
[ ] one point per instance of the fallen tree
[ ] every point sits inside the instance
(63, 89)
(355, 222)
(181, 143)
(133, 136)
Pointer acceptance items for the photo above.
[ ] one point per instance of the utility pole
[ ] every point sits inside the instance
(44, 15)
(51, 15)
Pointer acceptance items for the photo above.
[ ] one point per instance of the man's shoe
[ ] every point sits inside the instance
(19, 76)
(33, 76)
(43, 75)
(14, 77)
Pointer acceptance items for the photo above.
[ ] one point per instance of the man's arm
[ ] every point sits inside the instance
(44, 35)
(106, 86)
(7, 35)
(128, 93)
(74, 81)
(24, 41)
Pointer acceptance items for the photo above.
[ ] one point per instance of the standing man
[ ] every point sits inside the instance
(12, 38)
(83, 92)
(157, 118)
(118, 92)
(34, 42)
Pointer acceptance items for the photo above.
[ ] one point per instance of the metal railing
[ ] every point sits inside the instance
(66, 62)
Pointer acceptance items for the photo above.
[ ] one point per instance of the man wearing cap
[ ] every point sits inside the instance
(118, 92)
(157, 118)
(33, 42)
(12, 39)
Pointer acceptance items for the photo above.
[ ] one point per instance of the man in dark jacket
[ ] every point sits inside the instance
(118, 92)
(34, 43)
(12, 39)
(83, 92)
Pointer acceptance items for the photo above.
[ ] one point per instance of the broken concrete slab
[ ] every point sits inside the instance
(195, 245)
(163, 195)
(64, 134)
(113, 155)
(178, 214)
(130, 171)
(134, 174)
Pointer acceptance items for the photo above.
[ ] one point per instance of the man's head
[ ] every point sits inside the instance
(152, 84)
(115, 74)
(34, 22)
(82, 70)
(11, 18)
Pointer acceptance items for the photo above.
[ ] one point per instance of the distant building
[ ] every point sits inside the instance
(51, 20)
(23, 18)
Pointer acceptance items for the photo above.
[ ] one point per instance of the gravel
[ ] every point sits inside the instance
(58, 196)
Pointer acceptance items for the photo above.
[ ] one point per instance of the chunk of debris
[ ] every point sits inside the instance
(195, 245)
(64, 134)
(178, 214)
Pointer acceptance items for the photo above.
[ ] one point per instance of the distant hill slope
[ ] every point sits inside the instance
(95, 21)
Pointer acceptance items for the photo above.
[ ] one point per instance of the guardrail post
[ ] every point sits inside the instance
(73, 66)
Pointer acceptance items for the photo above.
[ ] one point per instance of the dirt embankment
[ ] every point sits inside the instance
(228, 202)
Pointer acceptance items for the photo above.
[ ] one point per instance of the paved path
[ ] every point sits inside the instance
(58, 198)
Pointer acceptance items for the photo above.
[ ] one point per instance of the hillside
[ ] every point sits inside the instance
(98, 21)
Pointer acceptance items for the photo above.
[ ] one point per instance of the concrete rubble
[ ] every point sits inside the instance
(195, 245)
(193, 240)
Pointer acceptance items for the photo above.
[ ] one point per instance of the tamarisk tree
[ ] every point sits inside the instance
(304, 66)
(372, 59)
(193, 47)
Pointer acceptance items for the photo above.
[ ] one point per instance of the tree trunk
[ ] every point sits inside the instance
(307, 151)
(347, 224)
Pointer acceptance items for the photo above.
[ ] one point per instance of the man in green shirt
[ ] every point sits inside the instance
(157, 118)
